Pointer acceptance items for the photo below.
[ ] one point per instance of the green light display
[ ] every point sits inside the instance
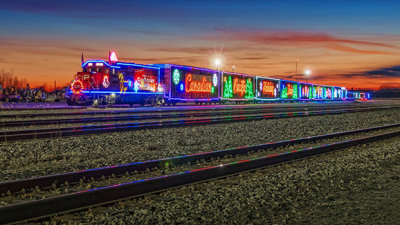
(314, 92)
(301, 91)
(228, 87)
(176, 77)
(295, 91)
(249, 89)
(284, 92)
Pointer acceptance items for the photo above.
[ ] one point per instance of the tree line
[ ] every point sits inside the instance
(10, 81)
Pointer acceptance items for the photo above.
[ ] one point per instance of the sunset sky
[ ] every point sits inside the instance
(345, 43)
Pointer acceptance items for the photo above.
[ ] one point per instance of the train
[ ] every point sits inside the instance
(114, 82)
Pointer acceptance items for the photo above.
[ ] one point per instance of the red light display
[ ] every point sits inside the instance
(328, 93)
(77, 86)
(239, 86)
(144, 81)
(202, 86)
(268, 88)
(290, 89)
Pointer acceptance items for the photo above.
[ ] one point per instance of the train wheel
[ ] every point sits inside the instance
(154, 102)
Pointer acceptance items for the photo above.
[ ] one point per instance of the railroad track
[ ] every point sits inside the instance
(87, 198)
(172, 110)
(48, 108)
(15, 123)
(7, 136)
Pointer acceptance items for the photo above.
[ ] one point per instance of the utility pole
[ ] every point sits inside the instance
(295, 76)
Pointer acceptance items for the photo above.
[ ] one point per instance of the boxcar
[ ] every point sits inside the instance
(185, 83)
(305, 91)
(267, 89)
(237, 87)
(289, 90)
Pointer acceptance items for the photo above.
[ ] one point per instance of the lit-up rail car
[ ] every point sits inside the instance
(305, 91)
(237, 87)
(105, 82)
(352, 95)
(190, 84)
(267, 89)
(363, 96)
(339, 93)
(318, 92)
(289, 90)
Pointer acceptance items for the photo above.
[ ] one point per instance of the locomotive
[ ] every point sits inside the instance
(114, 82)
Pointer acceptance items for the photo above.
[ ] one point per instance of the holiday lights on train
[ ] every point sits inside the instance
(113, 82)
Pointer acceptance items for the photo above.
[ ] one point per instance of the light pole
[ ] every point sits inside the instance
(295, 76)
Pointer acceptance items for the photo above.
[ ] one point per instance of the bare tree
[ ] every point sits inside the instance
(8, 79)
(2, 77)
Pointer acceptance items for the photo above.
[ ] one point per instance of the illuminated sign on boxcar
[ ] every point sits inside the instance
(318, 92)
(200, 86)
(144, 81)
(328, 91)
(305, 91)
(237, 86)
(267, 88)
(194, 83)
(289, 90)
(337, 93)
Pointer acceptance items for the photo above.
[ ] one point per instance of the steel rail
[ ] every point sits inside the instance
(16, 135)
(14, 123)
(38, 109)
(205, 108)
(76, 176)
(83, 199)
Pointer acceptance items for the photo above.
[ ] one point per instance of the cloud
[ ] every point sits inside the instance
(393, 71)
(381, 73)
(343, 48)
(303, 38)
(251, 58)
(198, 50)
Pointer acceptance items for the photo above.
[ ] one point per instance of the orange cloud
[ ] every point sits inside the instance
(301, 38)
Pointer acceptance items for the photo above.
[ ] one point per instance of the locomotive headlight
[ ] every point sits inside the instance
(160, 88)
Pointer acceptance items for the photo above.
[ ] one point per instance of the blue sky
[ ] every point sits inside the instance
(38, 36)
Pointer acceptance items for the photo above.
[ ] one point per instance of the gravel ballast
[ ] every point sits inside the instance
(48, 156)
(90, 183)
(359, 185)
